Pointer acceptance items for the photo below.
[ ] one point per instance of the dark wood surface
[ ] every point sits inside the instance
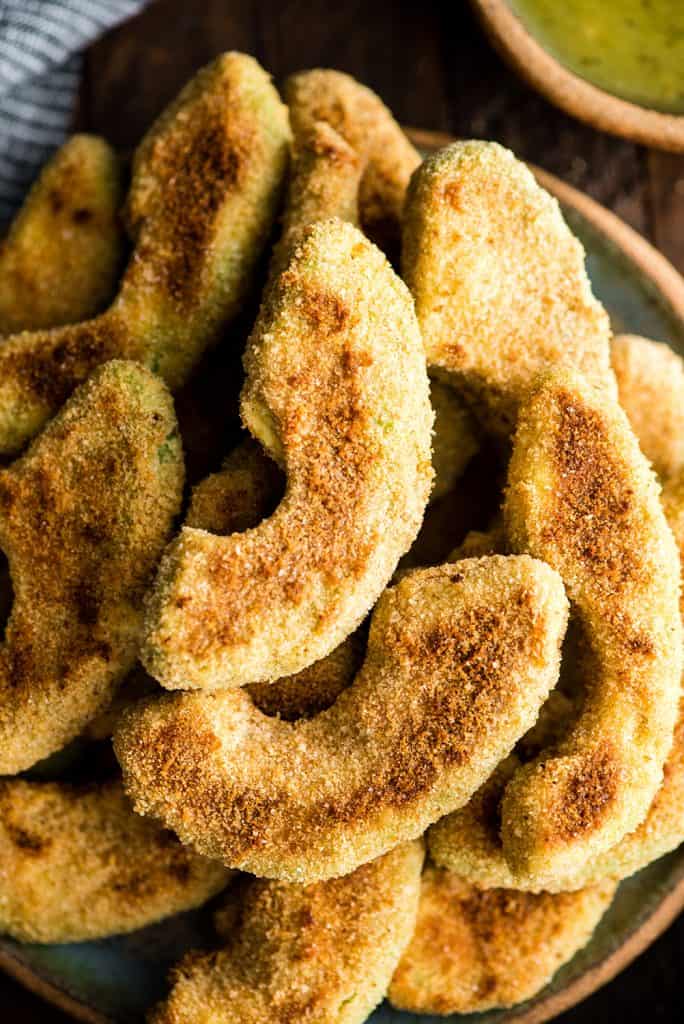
(432, 65)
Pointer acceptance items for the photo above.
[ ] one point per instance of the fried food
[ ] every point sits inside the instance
(474, 951)
(337, 393)
(136, 685)
(245, 490)
(363, 120)
(237, 498)
(77, 864)
(478, 543)
(205, 189)
(455, 438)
(324, 182)
(498, 279)
(459, 661)
(468, 841)
(60, 259)
(322, 952)
(582, 497)
(84, 516)
(650, 379)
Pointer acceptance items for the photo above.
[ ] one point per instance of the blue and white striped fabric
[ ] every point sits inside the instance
(40, 65)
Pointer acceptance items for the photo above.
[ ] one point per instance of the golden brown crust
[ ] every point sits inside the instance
(206, 183)
(237, 498)
(84, 515)
(325, 173)
(498, 279)
(469, 841)
(60, 259)
(366, 124)
(337, 392)
(582, 497)
(650, 379)
(459, 661)
(317, 954)
(78, 864)
(474, 951)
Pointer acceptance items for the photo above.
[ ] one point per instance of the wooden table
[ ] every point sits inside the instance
(432, 65)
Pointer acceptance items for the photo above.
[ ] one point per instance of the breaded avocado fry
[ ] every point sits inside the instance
(474, 951)
(322, 953)
(363, 120)
(76, 864)
(582, 496)
(206, 185)
(337, 393)
(650, 379)
(60, 259)
(459, 661)
(84, 516)
(498, 279)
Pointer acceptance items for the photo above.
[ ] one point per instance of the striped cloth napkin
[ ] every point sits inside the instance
(40, 65)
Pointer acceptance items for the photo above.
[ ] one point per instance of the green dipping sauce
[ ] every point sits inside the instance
(633, 49)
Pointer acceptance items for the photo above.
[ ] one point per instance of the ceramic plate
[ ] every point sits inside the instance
(116, 980)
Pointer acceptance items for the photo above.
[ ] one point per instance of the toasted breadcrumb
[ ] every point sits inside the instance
(363, 120)
(337, 392)
(474, 951)
(77, 864)
(84, 516)
(325, 173)
(205, 189)
(582, 497)
(459, 661)
(316, 954)
(498, 279)
(650, 378)
(61, 257)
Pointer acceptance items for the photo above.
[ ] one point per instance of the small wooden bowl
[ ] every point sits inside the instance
(570, 92)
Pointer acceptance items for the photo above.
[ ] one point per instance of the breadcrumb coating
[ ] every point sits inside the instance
(337, 393)
(582, 497)
(325, 173)
(455, 439)
(363, 120)
(650, 379)
(77, 864)
(459, 661)
(238, 498)
(316, 954)
(498, 279)
(205, 189)
(84, 516)
(474, 951)
(243, 493)
(246, 490)
(63, 252)
(469, 842)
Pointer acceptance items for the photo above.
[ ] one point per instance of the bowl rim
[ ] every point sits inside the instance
(568, 91)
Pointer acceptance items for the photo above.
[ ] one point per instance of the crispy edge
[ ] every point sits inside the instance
(474, 951)
(78, 864)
